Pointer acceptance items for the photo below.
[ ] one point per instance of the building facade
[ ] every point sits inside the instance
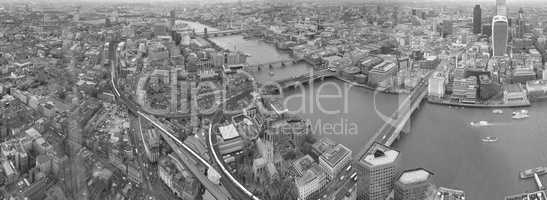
(412, 185)
(436, 85)
(334, 160)
(499, 35)
(377, 169)
(477, 19)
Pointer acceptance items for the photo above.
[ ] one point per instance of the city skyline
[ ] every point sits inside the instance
(273, 100)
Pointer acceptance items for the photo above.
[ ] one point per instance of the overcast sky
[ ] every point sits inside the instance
(218, 1)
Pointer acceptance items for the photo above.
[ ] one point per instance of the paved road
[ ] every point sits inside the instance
(152, 184)
(216, 190)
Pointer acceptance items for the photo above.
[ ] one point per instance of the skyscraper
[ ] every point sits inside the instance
(477, 19)
(378, 168)
(447, 28)
(521, 24)
(501, 8)
(172, 19)
(499, 35)
(487, 29)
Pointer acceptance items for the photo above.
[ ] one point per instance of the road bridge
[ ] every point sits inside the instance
(281, 63)
(391, 130)
(305, 78)
(220, 33)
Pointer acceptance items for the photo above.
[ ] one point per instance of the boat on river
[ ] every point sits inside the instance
(523, 114)
(480, 123)
(490, 139)
(528, 173)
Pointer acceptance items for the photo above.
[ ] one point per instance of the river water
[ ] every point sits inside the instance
(440, 139)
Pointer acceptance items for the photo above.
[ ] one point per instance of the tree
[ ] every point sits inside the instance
(306, 145)
(290, 155)
(176, 37)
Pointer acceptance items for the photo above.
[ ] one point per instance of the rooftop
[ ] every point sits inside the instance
(311, 174)
(384, 67)
(228, 132)
(304, 163)
(447, 193)
(414, 176)
(334, 155)
(323, 145)
(379, 154)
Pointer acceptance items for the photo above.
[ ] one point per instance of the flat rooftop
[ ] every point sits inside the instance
(414, 176)
(311, 174)
(228, 132)
(334, 155)
(384, 67)
(304, 163)
(538, 195)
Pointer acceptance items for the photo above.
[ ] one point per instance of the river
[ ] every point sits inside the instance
(440, 139)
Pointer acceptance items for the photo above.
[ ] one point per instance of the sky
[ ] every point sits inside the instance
(219, 1)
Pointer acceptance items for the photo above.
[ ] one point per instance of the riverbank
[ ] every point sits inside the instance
(447, 102)
(386, 91)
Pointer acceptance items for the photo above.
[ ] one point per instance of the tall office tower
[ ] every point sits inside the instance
(115, 16)
(377, 169)
(379, 10)
(501, 8)
(172, 19)
(521, 24)
(412, 185)
(447, 28)
(487, 29)
(76, 17)
(499, 35)
(395, 15)
(477, 23)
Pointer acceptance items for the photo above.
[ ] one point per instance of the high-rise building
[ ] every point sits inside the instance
(521, 25)
(487, 29)
(377, 168)
(499, 35)
(76, 17)
(395, 15)
(172, 19)
(412, 185)
(477, 19)
(447, 28)
(501, 8)
(115, 16)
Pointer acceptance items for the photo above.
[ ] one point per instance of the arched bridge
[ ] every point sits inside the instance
(220, 33)
(393, 127)
(305, 78)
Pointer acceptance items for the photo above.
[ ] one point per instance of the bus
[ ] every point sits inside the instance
(354, 176)
(348, 168)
